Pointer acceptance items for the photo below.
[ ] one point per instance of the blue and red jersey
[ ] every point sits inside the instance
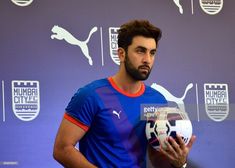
(115, 133)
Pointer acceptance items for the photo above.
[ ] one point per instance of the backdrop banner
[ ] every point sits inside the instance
(50, 48)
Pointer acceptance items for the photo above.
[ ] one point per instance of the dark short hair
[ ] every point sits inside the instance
(134, 28)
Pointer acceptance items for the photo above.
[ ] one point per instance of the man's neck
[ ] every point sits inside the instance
(126, 83)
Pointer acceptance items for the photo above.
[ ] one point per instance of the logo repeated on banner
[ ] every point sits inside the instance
(60, 33)
(216, 101)
(113, 45)
(170, 97)
(177, 3)
(25, 99)
(22, 2)
(211, 7)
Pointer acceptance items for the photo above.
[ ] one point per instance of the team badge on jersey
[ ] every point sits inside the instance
(25, 99)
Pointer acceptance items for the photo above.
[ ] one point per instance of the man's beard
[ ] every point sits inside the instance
(136, 74)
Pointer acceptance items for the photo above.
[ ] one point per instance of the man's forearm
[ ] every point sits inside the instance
(70, 157)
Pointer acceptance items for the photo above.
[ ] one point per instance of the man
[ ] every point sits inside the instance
(104, 116)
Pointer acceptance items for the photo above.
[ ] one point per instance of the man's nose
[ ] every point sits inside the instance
(147, 58)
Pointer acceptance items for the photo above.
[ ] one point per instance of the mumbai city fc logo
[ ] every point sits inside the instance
(113, 45)
(22, 2)
(25, 99)
(211, 7)
(216, 101)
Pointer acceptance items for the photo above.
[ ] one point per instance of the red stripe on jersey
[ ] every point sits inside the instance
(114, 85)
(76, 122)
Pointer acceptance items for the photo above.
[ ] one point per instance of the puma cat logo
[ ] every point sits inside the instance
(60, 33)
(117, 113)
(177, 2)
(169, 97)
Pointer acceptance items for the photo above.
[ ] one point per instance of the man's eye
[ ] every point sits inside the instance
(153, 53)
(140, 51)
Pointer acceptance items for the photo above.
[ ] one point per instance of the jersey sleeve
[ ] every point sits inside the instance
(81, 109)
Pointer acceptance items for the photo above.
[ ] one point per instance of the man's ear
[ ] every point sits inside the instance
(121, 54)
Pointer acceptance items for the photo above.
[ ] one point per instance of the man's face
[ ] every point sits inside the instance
(139, 58)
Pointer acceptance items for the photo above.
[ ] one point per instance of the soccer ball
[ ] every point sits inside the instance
(167, 121)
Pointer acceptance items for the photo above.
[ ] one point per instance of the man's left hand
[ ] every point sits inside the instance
(177, 152)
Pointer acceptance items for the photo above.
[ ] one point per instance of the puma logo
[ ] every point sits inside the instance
(60, 33)
(177, 2)
(117, 113)
(169, 97)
